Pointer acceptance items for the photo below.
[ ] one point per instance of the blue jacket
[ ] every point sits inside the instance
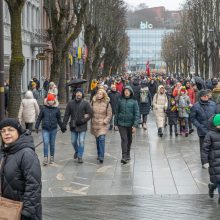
(50, 117)
(201, 112)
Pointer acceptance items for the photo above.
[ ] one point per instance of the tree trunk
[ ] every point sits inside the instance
(62, 83)
(16, 64)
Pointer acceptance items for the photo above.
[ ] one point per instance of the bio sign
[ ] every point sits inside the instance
(146, 25)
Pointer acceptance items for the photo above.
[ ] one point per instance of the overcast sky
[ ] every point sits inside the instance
(168, 4)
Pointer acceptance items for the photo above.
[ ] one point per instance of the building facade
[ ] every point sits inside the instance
(145, 46)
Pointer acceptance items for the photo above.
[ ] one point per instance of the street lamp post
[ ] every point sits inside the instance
(2, 93)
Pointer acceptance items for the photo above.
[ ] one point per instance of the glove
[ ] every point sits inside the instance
(206, 165)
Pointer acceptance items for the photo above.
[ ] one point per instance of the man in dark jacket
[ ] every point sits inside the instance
(114, 97)
(201, 112)
(20, 172)
(211, 155)
(136, 87)
(80, 113)
(152, 88)
(126, 118)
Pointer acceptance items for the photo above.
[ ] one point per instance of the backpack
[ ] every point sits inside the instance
(144, 96)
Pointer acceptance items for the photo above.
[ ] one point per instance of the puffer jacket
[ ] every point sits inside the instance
(29, 109)
(101, 116)
(160, 104)
(50, 117)
(127, 111)
(21, 179)
(200, 113)
(211, 154)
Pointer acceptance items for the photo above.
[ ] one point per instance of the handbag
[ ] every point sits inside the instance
(9, 209)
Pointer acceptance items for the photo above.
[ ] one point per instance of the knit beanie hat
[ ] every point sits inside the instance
(50, 97)
(216, 120)
(79, 90)
(11, 122)
(203, 92)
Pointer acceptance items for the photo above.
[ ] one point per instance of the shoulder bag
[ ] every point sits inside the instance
(9, 209)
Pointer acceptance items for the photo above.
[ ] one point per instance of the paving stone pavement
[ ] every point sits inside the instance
(168, 166)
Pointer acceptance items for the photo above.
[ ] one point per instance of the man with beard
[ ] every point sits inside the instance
(80, 112)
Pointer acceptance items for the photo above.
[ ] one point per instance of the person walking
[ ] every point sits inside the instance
(160, 104)
(211, 155)
(79, 112)
(114, 97)
(50, 117)
(20, 169)
(29, 111)
(201, 112)
(145, 103)
(101, 116)
(127, 119)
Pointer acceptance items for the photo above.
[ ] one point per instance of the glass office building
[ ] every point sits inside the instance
(145, 45)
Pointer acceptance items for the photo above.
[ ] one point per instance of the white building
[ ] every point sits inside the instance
(31, 37)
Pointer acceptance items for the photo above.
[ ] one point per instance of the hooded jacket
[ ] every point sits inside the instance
(21, 176)
(211, 153)
(29, 109)
(127, 110)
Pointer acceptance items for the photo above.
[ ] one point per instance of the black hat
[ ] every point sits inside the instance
(12, 123)
(79, 90)
(203, 92)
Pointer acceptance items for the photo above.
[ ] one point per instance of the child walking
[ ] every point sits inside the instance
(211, 155)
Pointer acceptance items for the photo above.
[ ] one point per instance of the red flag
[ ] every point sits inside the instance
(148, 68)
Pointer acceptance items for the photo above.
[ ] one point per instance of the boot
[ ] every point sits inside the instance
(51, 159)
(80, 160)
(160, 133)
(212, 188)
(144, 126)
(45, 162)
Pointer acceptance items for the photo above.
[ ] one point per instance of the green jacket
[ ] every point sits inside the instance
(127, 111)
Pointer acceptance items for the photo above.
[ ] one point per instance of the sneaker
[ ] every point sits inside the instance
(211, 190)
(45, 162)
(123, 161)
(80, 160)
(51, 159)
(75, 156)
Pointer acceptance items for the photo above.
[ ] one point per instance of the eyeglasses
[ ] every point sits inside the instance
(9, 130)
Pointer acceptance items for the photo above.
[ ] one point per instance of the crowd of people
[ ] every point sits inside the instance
(120, 103)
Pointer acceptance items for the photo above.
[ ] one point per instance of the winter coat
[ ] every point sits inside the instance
(101, 116)
(77, 111)
(200, 113)
(119, 86)
(160, 104)
(136, 87)
(127, 111)
(152, 88)
(211, 154)
(184, 106)
(29, 109)
(114, 97)
(172, 113)
(50, 117)
(145, 101)
(22, 176)
(192, 95)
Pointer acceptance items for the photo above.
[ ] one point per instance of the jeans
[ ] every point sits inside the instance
(126, 141)
(78, 140)
(49, 138)
(100, 143)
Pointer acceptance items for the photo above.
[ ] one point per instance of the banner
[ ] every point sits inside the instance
(148, 68)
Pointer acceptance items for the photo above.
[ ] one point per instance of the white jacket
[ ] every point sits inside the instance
(29, 109)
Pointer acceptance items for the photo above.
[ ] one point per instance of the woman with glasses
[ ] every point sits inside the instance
(20, 171)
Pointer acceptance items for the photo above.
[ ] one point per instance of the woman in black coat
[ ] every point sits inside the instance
(145, 103)
(20, 172)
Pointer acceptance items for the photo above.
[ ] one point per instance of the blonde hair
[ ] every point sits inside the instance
(105, 95)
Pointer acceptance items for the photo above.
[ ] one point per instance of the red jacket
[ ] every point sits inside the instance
(192, 95)
(119, 87)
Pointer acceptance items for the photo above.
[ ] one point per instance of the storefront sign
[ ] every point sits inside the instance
(146, 25)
